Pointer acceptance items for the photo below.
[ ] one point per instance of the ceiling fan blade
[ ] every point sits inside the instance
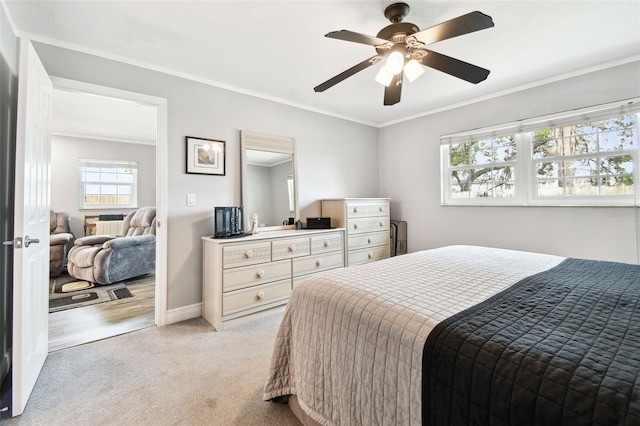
(465, 24)
(455, 67)
(347, 35)
(346, 74)
(393, 90)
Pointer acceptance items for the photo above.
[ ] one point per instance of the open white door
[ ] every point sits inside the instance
(31, 231)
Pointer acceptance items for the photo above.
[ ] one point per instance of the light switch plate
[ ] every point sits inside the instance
(191, 199)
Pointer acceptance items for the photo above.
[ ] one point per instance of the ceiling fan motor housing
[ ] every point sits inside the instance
(396, 33)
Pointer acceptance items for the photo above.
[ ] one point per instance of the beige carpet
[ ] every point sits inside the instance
(180, 374)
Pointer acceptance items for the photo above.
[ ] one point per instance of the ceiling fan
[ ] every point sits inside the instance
(402, 45)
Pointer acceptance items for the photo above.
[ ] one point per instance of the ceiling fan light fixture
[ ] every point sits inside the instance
(398, 43)
(395, 62)
(413, 70)
(384, 77)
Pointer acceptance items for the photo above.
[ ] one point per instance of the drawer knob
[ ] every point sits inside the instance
(260, 274)
(369, 240)
(327, 243)
(319, 262)
(260, 295)
(381, 223)
(292, 248)
(380, 208)
(355, 210)
(369, 255)
(248, 253)
(355, 226)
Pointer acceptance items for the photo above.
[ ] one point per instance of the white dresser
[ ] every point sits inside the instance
(366, 221)
(245, 277)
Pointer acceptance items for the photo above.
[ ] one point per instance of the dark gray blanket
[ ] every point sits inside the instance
(559, 347)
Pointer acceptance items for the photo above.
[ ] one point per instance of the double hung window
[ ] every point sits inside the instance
(108, 184)
(586, 157)
(482, 168)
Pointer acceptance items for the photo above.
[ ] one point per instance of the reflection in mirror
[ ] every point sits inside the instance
(268, 180)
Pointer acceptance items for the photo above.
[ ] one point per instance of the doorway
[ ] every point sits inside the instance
(92, 122)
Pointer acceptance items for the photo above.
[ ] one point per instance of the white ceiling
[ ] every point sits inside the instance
(277, 49)
(90, 116)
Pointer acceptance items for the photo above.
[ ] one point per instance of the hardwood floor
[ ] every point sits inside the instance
(95, 322)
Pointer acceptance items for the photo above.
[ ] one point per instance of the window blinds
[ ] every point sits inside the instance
(583, 115)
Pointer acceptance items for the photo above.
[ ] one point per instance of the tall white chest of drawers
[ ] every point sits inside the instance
(366, 221)
(249, 276)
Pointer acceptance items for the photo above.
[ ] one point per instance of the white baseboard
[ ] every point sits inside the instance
(184, 313)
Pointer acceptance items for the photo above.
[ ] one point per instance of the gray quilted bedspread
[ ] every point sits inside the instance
(351, 341)
(558, 348)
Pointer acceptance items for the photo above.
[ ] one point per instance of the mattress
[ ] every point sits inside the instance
(351, 340)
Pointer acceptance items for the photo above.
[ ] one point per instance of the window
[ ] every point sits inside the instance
(585, 157)
(484, 168)
(108, 184)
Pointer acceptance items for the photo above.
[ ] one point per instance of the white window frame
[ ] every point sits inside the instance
(115, 164)
(446, 180)
(524, 168)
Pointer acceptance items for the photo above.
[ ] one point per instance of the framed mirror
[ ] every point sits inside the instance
(269, 184)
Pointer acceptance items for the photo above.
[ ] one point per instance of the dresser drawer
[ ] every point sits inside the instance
(290, 247)
(326, 243)
(357, 257)
(378, 208)
(253, 297)
(368, 224)
(317, 263)
(247, 276)
(246, 254)
(372, 239)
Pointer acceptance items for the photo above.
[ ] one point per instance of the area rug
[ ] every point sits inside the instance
(67, 293)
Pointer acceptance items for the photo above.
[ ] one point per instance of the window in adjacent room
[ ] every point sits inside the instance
(108, 184)
(585, 157)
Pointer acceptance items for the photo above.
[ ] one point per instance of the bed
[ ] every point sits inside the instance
(463, 335)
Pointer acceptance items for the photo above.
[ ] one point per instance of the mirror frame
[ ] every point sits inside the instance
(262, 142)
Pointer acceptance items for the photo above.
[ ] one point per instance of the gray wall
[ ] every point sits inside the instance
(269, 196)
(8, 110)
(195, 109)
(258, 179)
(337, 158)
(65, 153)
(410, 176)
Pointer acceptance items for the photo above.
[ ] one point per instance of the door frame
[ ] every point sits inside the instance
(161, 176)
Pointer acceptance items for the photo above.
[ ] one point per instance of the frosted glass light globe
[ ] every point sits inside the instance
(395, 62)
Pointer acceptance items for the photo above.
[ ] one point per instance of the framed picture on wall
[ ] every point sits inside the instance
(205, 156)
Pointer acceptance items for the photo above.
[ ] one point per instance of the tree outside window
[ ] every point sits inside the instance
(484, 168)
(579, 161)
(587, 159)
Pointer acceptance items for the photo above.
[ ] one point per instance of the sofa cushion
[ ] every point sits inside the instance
(58, 223)
(140, 222)
(84, 256)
